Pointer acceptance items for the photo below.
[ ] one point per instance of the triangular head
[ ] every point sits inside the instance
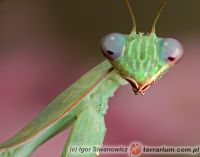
(139, 58)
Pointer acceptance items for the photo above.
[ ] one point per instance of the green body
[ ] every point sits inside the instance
(82, 98)
(136, 58)
(84, 103)
(141, 62)
(144, 63)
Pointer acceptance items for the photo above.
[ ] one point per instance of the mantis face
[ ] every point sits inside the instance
(141, 59)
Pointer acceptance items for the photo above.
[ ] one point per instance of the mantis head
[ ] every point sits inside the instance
(141, 59)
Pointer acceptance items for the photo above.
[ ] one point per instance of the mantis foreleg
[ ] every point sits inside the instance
(87, 132)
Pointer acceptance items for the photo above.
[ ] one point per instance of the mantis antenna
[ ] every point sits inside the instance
(132, 15)
(157, 17)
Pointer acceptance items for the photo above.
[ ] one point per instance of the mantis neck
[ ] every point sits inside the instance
(106, 87)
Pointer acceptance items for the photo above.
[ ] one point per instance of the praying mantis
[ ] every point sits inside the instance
(138, 59)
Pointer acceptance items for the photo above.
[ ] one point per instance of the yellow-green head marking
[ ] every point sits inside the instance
(139, 58)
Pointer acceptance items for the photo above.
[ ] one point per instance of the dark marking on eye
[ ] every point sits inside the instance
(110, 52)
(107, 54)
(171, 59)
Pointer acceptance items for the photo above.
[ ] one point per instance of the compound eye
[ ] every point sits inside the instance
(172, 50)
(113, 45)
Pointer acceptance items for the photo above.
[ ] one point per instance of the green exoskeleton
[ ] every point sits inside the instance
(138, 58)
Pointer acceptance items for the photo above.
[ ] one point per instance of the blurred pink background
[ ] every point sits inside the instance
(45, 46)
